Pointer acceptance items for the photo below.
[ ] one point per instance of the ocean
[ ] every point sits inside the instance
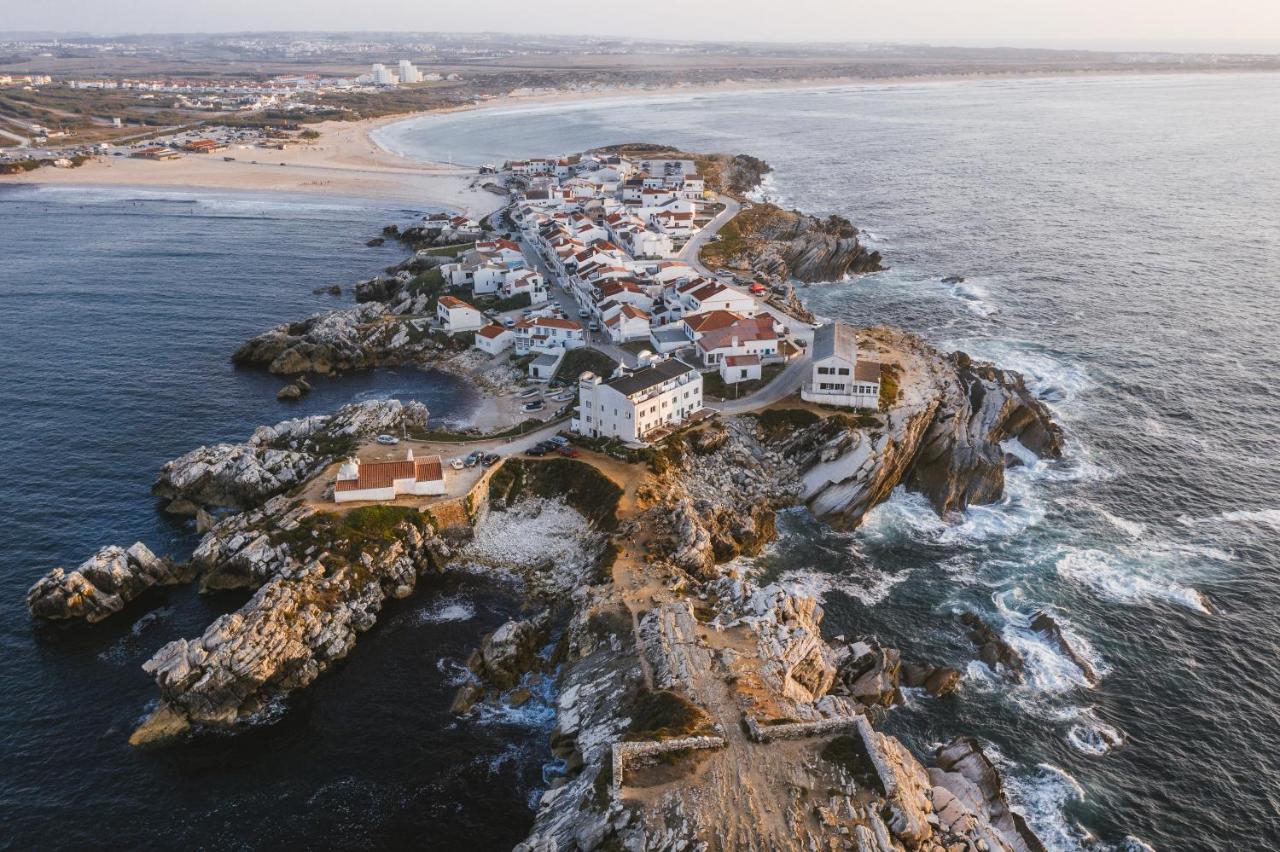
(1120, 244)
(121, 309)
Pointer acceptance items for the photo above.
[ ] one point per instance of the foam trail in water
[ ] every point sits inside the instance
(1098, 571)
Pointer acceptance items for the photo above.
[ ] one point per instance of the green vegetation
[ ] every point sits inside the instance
(713, 384)
(851, 753)
(513, 303)
(665, 715)
(889, 374)
(581, 485)
(451, 251)
(781, 422)
(447, 436)
(579, 361)
(309, 134)
(351, 534)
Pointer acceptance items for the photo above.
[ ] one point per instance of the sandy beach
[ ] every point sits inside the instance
(344, 162)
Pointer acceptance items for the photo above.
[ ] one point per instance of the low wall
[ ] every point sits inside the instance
(801, 730)
(626, 752)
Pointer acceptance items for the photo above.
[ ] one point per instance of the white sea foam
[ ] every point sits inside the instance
(975, 297)
(1125, 583)
(1265, 517)
(455, 674)
(445, 610)
(870, 587)
(1041, 796)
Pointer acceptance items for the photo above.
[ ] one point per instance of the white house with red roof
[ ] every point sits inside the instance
(626, 322)
(525, 281)
(494, 339)
(747, 336)
(457, 316)
(388, 480)
(703, 295)
(548, 334)
(739, 368)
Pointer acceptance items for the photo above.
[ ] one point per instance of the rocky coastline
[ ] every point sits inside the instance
(695, 707)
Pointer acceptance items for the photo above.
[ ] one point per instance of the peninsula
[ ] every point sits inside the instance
(659, 391)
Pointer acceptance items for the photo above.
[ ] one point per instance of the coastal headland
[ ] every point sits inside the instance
(694, 706)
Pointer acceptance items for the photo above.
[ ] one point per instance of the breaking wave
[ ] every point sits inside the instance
(1125, 584)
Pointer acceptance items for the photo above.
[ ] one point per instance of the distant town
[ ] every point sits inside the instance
(59, 97)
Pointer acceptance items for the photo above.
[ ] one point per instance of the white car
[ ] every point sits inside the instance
(390, 440)
(457, 464)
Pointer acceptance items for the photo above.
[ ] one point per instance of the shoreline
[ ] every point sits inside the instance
(349, 160)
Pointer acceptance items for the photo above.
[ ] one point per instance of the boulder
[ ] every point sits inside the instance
(102, 585)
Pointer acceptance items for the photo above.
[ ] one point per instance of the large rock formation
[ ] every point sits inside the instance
(102, 585)
(329, 587)
(277, 458)
(944, 435)
(778, 245)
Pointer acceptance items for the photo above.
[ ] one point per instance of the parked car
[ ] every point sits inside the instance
(541, 448)
(568, 452)
(508, 322)
(389, 440)
(473, 459)
(490, 459)
(457, 463)
(593, 326)
(559, 441)
(535, 405)
(583, 313)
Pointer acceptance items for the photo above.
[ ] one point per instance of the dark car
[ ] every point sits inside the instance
(541, 448)
(490, 459)
(473, 459)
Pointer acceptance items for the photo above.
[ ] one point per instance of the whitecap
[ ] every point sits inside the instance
(1124, 584)
(446, 610)
(870, 588)
(1042, 797)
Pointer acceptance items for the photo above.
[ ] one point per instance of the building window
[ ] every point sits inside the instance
(844, 371)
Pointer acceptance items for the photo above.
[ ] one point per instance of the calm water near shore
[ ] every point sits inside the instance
(1121, 244)
(120, 311)
(1120, 240)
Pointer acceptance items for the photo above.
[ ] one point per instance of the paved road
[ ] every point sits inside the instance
(598, 340)
(784, 384)
(23, 142)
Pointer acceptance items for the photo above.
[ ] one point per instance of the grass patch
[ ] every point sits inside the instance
(583, 487)
(501, 304)
(350, 534)
(448, 436)
(851, 753)
(714, 385)
(665, 715)
(889, 375)
(451, 251)
(583, 360)
(780, 422)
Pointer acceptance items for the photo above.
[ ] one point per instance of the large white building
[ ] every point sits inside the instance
(409, 73)
(633, 406)
(359, 480)
(839, 378)
(382, 76)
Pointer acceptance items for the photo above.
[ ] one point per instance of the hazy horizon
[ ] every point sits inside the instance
(1250, 26)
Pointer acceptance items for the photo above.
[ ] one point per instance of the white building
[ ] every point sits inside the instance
(633, 406)
(626, 322)
(739, 368)
(839, 378)
(409, 73)
(494, 339)
(456, 315)
(387, 480)
(382, 76)
(548, 334)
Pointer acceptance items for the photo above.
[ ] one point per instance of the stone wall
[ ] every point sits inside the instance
(800, 730)
(625, 752)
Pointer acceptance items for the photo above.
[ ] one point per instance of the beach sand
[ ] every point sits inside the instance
(343, 162)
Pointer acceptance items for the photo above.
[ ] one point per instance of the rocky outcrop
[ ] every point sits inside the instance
(779, 245)
(510, 651)
(945, 435)
(961, 459)
(1044, 624)
(969, 799)
(997, 654)
(102, 585)
(277, 458)
(328, 589)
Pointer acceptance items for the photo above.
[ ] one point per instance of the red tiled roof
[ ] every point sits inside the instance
(491, 331)
(742, 360)
(382, 474)
(453, 302)
(711, 320)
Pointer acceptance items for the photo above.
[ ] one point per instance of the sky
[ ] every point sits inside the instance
(1119, 24)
